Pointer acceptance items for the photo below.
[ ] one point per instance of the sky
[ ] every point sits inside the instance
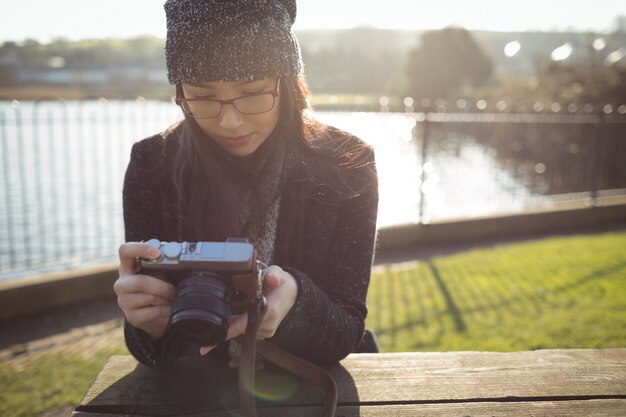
(45, 20)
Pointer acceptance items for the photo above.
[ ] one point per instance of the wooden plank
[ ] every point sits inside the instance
(126, 387)
(595, 408)
(123, 387)
(486, 375)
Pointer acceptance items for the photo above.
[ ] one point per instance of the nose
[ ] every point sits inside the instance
(230, 117)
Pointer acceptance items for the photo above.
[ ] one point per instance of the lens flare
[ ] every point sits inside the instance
(274, 386)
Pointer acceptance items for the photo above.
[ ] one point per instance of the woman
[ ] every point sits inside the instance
(248, 162)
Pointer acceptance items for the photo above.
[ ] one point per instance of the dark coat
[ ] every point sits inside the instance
(326, 242)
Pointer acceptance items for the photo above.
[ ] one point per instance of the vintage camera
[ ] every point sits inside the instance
(213, 280)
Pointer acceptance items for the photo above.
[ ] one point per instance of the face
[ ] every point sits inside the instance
(238, 134)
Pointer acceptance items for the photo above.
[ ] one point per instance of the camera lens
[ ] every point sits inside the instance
(201, 310)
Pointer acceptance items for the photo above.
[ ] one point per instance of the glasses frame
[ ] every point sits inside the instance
(181, 100)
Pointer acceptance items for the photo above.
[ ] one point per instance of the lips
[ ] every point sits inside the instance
(237, 140)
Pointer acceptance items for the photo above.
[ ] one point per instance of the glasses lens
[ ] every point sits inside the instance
(202, 109)
(255, 104)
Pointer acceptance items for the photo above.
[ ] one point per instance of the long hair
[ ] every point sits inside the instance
(209, 201)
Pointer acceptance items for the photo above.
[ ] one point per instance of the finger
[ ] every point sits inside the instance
(135, 301)
(280, 300)
(266, 333)
(271, 321)
(144, 284)
(270, 324)
(237, 326)
(143, 317)
(129, 252)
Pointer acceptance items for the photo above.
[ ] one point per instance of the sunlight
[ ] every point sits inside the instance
(599, 44)
(615, 56)
(146, 17)
(562, 52)
(512, 48)
(482, 14)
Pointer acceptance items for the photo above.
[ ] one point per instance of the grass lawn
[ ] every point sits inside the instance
(51, 382)
(563, 292)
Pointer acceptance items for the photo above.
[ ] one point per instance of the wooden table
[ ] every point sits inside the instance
(536, 383)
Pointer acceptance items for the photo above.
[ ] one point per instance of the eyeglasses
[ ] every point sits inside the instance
(208, 108)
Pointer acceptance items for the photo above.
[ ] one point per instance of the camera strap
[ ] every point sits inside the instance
(281, 358)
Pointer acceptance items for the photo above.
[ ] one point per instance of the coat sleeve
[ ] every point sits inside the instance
(327, 320)
(142, 198)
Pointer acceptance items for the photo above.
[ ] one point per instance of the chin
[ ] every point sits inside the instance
(240, 151)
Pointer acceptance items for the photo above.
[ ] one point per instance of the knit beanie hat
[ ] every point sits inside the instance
(230, 40)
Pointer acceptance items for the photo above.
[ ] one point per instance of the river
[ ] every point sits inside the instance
(63, 163)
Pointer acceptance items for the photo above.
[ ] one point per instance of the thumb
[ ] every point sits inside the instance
(273, 277)
(205, 349)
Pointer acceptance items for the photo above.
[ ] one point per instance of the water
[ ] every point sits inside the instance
(464, 180)
(62, 168)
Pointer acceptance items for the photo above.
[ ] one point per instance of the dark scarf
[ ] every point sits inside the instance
(254, 184)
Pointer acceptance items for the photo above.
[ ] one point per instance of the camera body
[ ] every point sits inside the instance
(213, 281)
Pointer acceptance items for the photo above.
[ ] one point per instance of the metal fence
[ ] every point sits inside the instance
(62, 166)
(540, 159)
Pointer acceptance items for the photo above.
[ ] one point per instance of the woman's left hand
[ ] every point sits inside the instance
(280, 289)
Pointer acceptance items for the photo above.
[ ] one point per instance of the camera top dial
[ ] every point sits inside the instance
(232, 255)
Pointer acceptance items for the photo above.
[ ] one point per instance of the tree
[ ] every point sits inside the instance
(357, 61)
(565, 84)
(446, 61)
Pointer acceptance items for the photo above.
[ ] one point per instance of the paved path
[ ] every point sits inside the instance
(95, 324)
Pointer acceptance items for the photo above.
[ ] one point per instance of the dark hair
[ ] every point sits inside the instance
(200, 177)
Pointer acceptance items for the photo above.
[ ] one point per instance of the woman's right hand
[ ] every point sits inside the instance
(145, 300)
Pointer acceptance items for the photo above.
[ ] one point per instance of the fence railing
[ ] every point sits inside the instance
(62, 166)
(542, 158)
